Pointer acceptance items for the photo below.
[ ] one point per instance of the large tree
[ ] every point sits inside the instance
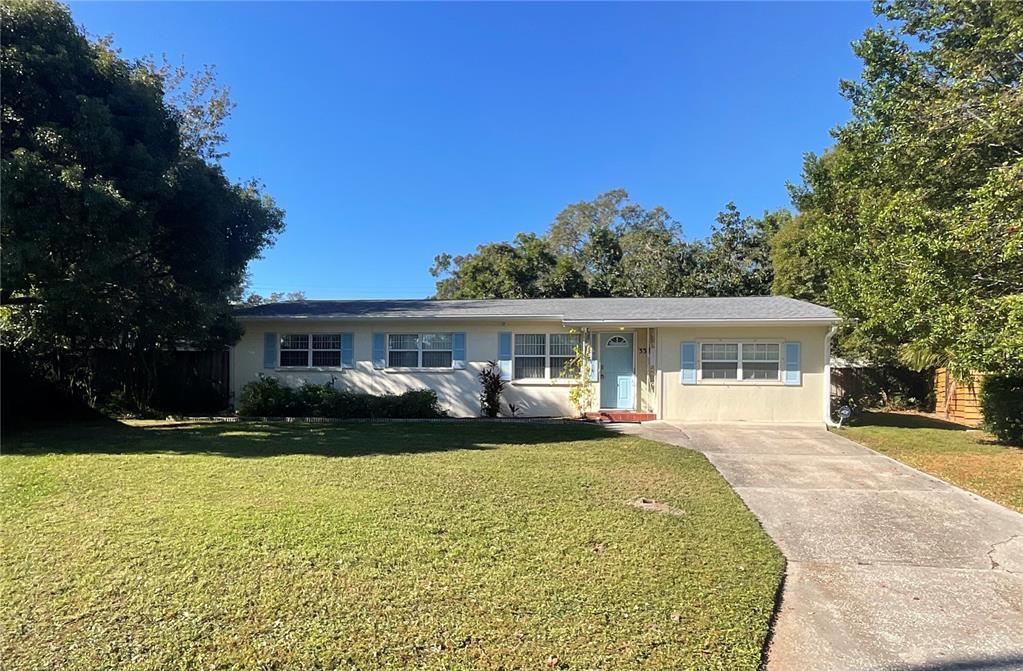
(611, 246)
(798, 272)
(736, 260)
(120, 229)
(916, 214)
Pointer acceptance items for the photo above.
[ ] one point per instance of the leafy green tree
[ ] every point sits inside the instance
(735, 260)
(916, 215)
(274, 297)
(657, 262)
(120, 231)
(524, 268)
(572, 226)
(798, 271)
(608, 246)
(602, 262)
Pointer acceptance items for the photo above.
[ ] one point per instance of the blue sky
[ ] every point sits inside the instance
(392, 132)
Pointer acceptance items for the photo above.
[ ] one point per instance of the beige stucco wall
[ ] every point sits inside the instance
(458, 390)
(715, 401)
(657, 365)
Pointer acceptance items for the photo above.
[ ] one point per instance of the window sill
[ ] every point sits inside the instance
(542, 382)
(310, 369)
(402, 371)
(744, 383)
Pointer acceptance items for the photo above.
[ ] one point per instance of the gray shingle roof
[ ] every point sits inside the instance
(566, 309)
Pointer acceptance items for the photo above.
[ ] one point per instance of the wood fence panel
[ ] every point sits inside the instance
(957, 401)
(880, 385)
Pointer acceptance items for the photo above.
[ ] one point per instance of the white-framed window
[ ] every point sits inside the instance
(437, 350)
(719, 361)
(543, 355)
(740, 361)
(761, 361)
(563, 346)
(420, 350)
(310, 350)
(530, 356)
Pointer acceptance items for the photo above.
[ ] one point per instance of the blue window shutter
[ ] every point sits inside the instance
(793, 374)
(269, 350)
(504, 354)
(688, 373)
(348, 350)
(458, 350)
(379, 350)
(594, 361)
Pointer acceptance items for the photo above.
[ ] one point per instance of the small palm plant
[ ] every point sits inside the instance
(492, 386)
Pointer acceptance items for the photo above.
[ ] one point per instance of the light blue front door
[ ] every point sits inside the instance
(617, 379)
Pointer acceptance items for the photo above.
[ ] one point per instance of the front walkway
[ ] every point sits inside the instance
(888, 568)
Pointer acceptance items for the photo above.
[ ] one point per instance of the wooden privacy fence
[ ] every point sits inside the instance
(194, 381)
(848, 382)
(880, 386)
(957, 401)
(187, 381)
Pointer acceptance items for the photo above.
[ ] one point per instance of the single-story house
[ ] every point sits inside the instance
(757, 359)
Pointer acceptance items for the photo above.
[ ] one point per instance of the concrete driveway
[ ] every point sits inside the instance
(888, 568)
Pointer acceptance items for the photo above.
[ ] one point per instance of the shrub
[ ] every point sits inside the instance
(267, 397)
(1001, 402)
(899, 401)
(415, 404)
(312, 400)
(345, 404)
(492, 388)
(845, 399)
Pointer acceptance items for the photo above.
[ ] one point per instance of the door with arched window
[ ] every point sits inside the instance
(617, 371)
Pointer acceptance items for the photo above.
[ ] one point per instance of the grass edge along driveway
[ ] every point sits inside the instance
(966, 457)
(389, 546)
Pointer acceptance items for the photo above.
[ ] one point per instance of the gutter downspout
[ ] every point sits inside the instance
(828, 422)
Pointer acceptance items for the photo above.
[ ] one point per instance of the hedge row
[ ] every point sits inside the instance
(267, 397)
(1001, 403)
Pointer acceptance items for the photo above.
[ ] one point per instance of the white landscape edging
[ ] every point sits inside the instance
(380, 420)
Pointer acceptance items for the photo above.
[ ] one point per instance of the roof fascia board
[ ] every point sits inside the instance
(641, 323)
(492, 318)
(803, 321)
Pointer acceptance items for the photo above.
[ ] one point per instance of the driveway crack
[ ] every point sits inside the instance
(994, 547)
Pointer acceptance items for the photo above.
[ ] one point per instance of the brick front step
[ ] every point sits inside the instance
(621, 416)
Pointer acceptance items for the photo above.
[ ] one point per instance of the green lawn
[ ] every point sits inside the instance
(968, 458)
(438, 546)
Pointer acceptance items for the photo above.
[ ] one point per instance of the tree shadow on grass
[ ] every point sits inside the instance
(907, 421)
(252, 440)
